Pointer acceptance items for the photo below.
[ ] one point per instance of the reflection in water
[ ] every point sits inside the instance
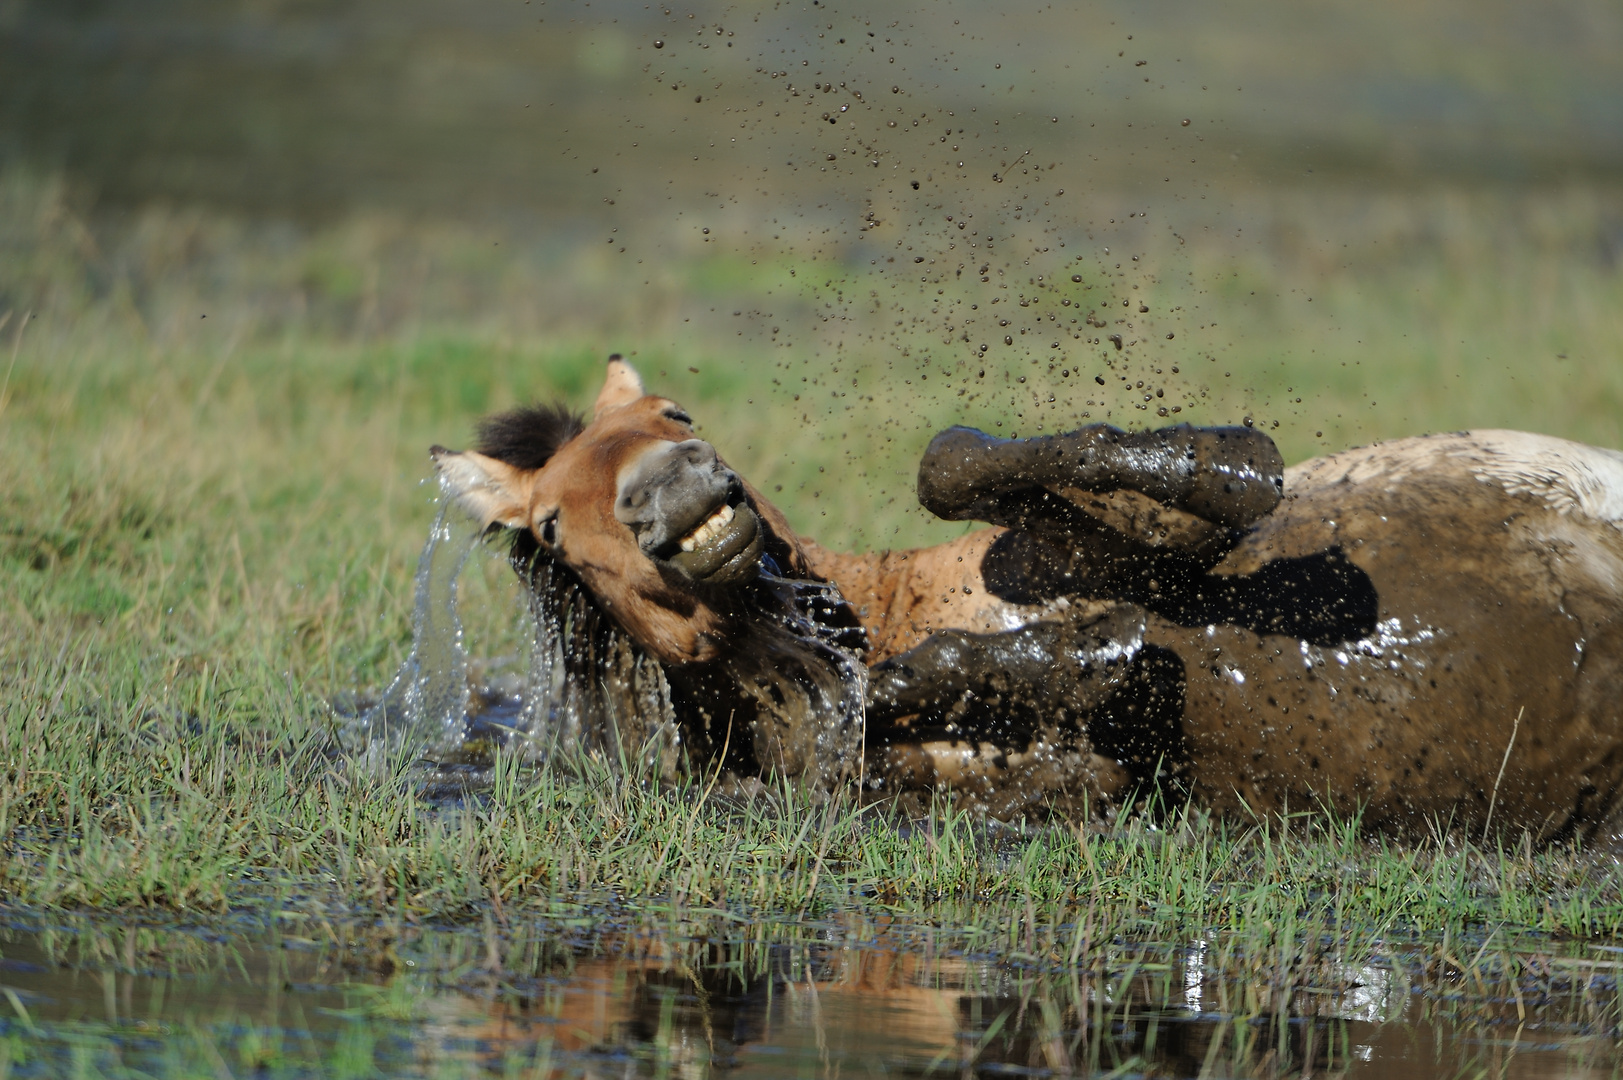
(826, 1000)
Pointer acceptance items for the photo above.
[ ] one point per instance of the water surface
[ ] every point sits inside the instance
(606, 994)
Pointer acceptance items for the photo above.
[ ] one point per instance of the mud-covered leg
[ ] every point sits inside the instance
(1230, 476)
(1063, 667)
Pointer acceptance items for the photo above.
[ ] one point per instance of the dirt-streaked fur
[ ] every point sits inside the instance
(1369, 642)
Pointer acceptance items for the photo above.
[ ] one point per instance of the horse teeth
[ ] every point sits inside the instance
(707, 529)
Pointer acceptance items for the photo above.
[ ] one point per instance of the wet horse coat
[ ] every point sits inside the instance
(1148, 607)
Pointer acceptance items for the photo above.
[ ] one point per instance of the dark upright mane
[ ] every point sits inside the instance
(527, 437)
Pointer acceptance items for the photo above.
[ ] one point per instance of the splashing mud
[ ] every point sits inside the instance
(791, 700)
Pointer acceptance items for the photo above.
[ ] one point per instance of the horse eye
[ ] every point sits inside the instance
(549, 532)
(679, 416)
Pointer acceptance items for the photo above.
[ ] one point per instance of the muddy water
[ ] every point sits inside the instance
(307, 997)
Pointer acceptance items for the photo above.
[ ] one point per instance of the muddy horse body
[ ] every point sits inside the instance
(1423, 629)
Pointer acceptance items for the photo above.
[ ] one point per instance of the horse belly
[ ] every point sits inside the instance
(1491, 602)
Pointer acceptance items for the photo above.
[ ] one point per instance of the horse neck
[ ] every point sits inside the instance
(901, 597)
(904, 596)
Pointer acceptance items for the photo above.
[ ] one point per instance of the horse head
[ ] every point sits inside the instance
(650, 518)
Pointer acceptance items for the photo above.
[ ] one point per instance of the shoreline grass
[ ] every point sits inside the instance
(120, 806)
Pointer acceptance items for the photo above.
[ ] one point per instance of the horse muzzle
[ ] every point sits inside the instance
(689, 514)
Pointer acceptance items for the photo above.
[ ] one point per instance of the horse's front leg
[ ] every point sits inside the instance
(1002, 719)
(1059, 669)
(1230, 476)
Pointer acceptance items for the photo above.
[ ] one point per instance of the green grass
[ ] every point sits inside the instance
(208, 528)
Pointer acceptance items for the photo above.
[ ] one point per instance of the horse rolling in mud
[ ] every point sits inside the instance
(1426, 628)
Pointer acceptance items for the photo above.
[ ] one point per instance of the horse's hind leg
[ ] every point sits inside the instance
(1230, 476)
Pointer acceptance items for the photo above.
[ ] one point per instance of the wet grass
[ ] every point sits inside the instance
(112, 803)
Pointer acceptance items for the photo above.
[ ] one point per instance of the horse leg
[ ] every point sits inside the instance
(1229, 476)
(1064, 667)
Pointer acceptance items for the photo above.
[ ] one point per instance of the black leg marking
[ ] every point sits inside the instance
(1230, 476)
(1059, 669)
(1323, 598)
(1141, 725)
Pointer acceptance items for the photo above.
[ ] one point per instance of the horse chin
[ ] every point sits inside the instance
(733, 558)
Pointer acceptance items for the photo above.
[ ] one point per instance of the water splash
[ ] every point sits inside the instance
(425, 709)
(590, 692)
(589, 689)
(837, 706)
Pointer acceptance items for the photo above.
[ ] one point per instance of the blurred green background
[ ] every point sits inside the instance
(257, 255)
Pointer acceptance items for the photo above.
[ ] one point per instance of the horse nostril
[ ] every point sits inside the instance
(697, 452)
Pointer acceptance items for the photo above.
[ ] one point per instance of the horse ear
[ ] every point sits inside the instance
(490, 491)
(622, 386)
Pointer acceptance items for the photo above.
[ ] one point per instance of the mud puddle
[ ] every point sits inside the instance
(306, 997)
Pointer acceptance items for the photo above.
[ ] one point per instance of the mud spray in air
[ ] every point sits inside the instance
(911, 217)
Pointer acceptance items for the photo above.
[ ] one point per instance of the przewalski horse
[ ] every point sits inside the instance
(1430, 628)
